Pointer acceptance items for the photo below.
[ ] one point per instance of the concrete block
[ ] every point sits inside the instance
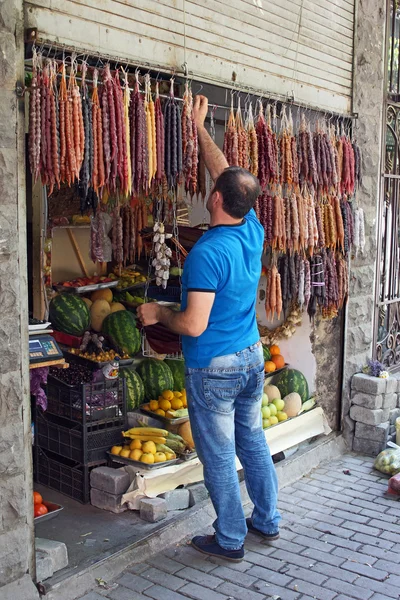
(368, 447)
(366, 415)
(177, 499)
(106, 501)
(389, 401)
(153, 509)
(385, 415)
(393, 415)
(370, 432)
(391, 385)
(197, 493)
(21, 589)
(113, 481)
(371, 402)
(44, 566)
(370, 385)
(56, 550)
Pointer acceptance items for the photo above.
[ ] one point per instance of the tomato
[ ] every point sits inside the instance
(37, 498)
(39, 510)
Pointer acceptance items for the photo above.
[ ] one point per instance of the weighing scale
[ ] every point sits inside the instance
(42, 348)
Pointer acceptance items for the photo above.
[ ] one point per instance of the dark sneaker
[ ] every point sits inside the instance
(207, 544)
(266, 536)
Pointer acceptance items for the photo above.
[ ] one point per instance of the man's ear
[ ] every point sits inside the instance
(218, 199)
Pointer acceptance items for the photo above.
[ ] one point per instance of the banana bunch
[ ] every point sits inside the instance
(172, 442)
(147, 434)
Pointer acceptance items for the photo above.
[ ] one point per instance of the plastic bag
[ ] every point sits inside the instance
(388, 461)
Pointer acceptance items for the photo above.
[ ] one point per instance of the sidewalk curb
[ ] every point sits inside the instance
(185, 525)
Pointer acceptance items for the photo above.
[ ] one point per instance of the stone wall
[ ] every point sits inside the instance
(375, 407)
(369, 56)
(16, 511)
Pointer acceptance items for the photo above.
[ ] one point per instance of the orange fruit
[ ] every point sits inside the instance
(37, 498)
(274, 349)
(278, 360)
(269, 366)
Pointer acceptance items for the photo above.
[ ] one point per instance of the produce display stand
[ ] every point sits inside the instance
(280, 438)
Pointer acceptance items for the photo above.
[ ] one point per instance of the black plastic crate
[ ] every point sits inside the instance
(63, 475)
(83, 444)
(170, 294)
(102, 402)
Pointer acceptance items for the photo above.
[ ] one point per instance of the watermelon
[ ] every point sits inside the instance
(156, 377)
(291, 380)
(178, 373)
(134, 388)
(69, 313)
(266, 353)
(120, 328)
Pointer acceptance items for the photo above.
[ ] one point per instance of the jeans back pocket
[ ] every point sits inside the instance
(220, 394)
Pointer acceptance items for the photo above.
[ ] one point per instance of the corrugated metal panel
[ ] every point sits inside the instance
(303, 47)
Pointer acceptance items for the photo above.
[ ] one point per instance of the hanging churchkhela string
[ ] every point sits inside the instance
(120, 147)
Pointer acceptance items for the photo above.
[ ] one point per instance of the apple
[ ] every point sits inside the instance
(282, 416)
(266, 423)
(266, 412)
(265, 400)
(273, 410)
(280, 404)
(274, 420)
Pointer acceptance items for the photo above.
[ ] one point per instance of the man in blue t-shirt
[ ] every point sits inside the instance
(223, 354)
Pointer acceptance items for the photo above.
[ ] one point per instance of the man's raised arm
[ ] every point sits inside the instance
(213, 157)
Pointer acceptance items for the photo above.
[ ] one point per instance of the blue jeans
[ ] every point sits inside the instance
(224, 403)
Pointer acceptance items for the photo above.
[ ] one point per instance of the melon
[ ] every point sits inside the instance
(291, 380)
(178, 373)
(292, 404)
(156, 376)
(88, 302)
(68, 313)
(99, 310)
(120, 329)
(105, 294)
(272, 392)
(134, 388)
(116, 306)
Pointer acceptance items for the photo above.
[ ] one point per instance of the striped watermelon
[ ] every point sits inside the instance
(120, 328)
(178, 373)
(156, 376)
(266, 353)
(291, 380)
(134, 388)
(69, 313)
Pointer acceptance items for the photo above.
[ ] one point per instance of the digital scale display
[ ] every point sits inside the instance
(43, 349)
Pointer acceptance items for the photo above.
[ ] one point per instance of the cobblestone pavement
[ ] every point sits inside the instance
(340, 540)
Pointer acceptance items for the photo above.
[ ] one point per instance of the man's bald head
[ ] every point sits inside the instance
(239, 190)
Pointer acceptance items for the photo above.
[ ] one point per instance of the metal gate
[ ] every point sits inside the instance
(387, 313)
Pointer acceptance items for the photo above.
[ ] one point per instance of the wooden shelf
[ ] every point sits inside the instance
(60, 363)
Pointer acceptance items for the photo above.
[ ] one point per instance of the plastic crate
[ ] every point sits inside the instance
(103, 402)
(170, 294)
(82, 444)
(63, 475)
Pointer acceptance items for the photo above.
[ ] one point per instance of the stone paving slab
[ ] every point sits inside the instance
(339, 541)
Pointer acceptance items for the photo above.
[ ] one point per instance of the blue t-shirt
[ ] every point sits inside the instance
(226, 260)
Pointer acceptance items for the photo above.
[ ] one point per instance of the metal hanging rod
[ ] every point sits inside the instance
(183, 72)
